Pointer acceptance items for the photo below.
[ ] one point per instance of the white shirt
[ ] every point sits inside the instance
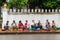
(13, 24)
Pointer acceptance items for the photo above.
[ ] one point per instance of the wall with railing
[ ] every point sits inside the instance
(34, 10)
(52, 14)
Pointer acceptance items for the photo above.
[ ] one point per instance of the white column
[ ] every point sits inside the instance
(14, 10)
(56, 10)
(45, 10)
(35, 10)
(5, 15)
(52, 10)
(49, 10)
(10, 10)
(32, 10)
(18, 10)
(21, 10)
(39, 10)
(28, 10)
(25, 10)
(59, 10)
(42, 10)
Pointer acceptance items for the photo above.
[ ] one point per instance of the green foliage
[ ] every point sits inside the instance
(1, 2)
(46, 3)
(17, 3)
(49, 4)
(58, 4)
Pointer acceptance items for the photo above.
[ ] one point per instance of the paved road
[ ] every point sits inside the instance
(31, 37)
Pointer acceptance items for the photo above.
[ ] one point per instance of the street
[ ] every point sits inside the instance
(30, 37)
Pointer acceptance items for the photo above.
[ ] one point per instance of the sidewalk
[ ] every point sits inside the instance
(29, 32)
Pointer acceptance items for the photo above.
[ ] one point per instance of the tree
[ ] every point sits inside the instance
(46, 4)
(58, 4)
(49, 4)
(33, 3)
(17, 3)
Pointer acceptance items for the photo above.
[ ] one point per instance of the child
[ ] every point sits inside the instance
(53, 24)
(48, 25)
(6, 27)
(26, 24)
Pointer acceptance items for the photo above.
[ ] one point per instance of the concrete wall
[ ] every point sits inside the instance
(36, 17)
(30, 17)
